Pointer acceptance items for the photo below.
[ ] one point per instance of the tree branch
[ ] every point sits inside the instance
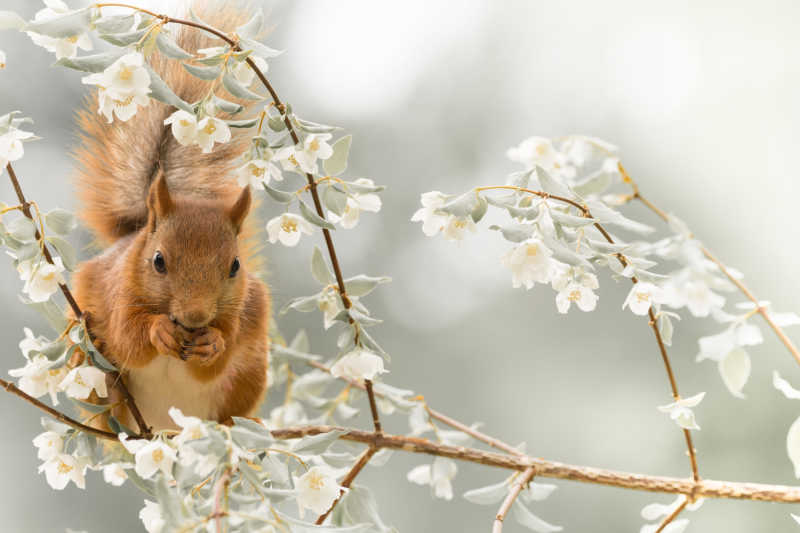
(362, 461)
(672, 516)
(711, 257)
(516, 488)
(76, 310)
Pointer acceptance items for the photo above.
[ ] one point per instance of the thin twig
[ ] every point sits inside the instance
(362, 461)
(672, 516)
(220, 489)
(76, 310)
(516, 488)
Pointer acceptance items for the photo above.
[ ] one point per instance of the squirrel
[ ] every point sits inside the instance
(171, 302)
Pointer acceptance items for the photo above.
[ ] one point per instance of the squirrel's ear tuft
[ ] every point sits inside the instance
(159, 202)
(238, 212)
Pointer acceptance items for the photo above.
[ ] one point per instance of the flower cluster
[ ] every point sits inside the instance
(124, 87)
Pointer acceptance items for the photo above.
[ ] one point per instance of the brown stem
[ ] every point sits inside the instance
(672, 516)
(362, 461)
(144, 429)
(516, 488)
(76, 310)
(58, 415)
(739, 285)
(220, 489)
(621, 258)
(373, 406)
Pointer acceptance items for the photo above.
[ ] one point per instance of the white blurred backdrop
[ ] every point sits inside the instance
(702, 99)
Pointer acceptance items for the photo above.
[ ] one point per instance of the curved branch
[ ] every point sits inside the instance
(516, 488)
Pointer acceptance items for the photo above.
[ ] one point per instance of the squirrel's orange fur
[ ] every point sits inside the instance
(193, 336)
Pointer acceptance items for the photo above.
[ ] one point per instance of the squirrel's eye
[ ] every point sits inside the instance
(159, 264)
(234, 267)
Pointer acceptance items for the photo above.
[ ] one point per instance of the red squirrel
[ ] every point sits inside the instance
(170, 301)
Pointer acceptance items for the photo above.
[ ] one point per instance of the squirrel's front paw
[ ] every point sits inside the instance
(205, 346)
(166, 336)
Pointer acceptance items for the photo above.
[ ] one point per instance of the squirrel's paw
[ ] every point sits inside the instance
(166, 336)
(205, 346)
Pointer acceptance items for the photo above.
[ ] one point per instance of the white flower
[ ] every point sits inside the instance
(535, 151)
(38, 378)
(192, 428)
(456, 227)
(184, 126)
(41, 280)
(315, 146)
(680, 411)
(151, 456)
(576, 286)
(432, 222)
(211, 130)
(695, 294)
(30, 343)
(244, 74)
(530, 262)
(641, 296)
(124, 86)
(287, 415)
(359, 364)
(11, 148)
(65, 46)
(288, 228)
(258, 171)
(80, 382)
(150, 515)
(114, 473)
(355, 204)
(732, 360)
(49, 444)
(438, 475)
(317, 489)
(2, 60)
(61, 468)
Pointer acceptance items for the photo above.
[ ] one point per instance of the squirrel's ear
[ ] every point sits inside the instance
(159, 202)
(238, 212)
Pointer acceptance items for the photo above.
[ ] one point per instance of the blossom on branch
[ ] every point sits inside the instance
(49, 444)
(184, 126)
(62, 468)
(359, 365)
(355, 204)
(64, 46)
(304, 156)
(258, 171)
(150, 515)
(642, 296)
(150, 456)
(317, 489)
(212, 130)
(80, 382)
(38, 377)
(288, 228)
(42, 279)
(680, 411)
(438, 475)
(530, 262)
(124, 86)
(576, 286)
(11, 148)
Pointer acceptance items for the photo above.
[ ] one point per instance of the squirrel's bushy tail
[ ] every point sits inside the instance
(118, 161)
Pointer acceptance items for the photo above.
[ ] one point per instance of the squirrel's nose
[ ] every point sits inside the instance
(196, 318)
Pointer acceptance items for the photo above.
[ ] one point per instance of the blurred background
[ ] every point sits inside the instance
(701, 97)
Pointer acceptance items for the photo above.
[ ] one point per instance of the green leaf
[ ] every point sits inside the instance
(253, 27)
(571, 221)
(480, 210)
(204, 73)
(666, 329)
(279, 196)
(300, 342)
(515, 232)
(227, 107)
(92, 63)
(362, 285)
(566, 254)
(319, 269)
(317, 444)
(166, 43)
(304, 304)
(463, 205)
(594, 184)
(313, 127)
(243, 124)
(11, 21)
(607, 247)
(314, 218)
(337, 163)
(52, 313)
(61, 221)
(363, 188)
(531, 521)
(276, 123)
(22, 229)
(334, 199)
(161, 92)
(259, 49)
(114, 23)
(125, 39)
(65, 251)
(67, 25)
(552, 186)
(238, 90)
(91, 407)
(519, 179)
(605, 215)
(250, 434)
(358, 506)
(363, 319)
(371, 344)
(487, 495)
